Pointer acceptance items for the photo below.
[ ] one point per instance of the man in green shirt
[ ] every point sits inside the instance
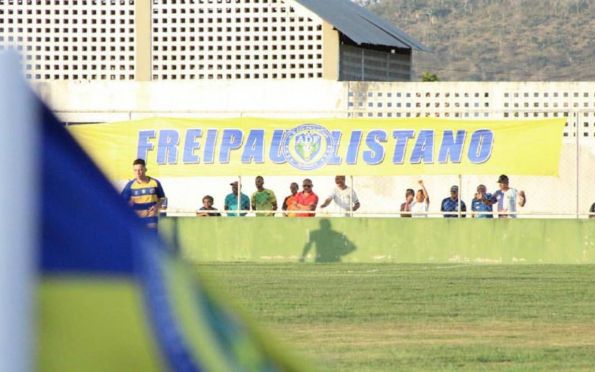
(263, 199)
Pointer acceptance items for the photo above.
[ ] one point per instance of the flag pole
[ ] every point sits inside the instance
(19, 226)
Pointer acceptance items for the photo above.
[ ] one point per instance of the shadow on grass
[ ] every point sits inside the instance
(330, 245)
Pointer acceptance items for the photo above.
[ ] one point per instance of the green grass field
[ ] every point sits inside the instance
(360, 317)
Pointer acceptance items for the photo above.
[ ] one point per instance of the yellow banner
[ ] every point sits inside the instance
(382, 147)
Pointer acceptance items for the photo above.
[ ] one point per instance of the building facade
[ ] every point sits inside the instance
(134, 40)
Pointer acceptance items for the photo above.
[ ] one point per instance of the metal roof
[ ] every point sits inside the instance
(361, 25)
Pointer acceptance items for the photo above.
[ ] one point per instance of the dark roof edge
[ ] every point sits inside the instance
(401, 36)
(376, 23)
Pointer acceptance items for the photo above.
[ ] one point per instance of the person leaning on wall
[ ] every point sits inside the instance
(406, 205)
(508, 198)
(343, 196)
(207, 209)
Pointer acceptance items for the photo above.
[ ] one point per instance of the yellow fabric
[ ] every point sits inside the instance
(253, 146)
(93, 324)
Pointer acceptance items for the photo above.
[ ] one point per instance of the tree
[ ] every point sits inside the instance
(428, 76)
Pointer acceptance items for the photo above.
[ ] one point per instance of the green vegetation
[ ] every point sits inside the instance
(498, 40)
(428, 76)
(358, 317)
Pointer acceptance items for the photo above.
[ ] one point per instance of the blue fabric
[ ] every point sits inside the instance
(452, 205)
(127, 191)
(142, 206)
(169, 335)
(87, 229)
(86, 226)
(477, 205)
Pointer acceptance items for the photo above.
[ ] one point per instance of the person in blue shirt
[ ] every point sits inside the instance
(451, 204)
(231, 201)
(482, 203)
(144, 194)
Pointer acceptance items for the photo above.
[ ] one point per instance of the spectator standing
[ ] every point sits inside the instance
(421, 204)
(592, 211)
(508, 198)
(263, 199)
(343, 196)
(481, 204)
(144, 194)
(307, 200)
(290, 202)
(451, 204)
(406, 206)
(207, 209)
(232, 200)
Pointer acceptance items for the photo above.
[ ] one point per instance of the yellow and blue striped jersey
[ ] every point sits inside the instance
(142, 196)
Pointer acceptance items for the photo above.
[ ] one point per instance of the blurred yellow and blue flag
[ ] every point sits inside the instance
(109, 294)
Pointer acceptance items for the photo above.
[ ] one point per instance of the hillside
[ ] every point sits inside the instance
(498, 40)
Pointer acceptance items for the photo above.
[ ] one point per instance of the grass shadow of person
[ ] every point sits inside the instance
(331, 245)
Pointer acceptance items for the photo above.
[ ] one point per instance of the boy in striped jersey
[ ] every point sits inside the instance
(144, 194)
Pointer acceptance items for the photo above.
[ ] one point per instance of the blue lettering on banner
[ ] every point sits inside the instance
(480, 148)
(374, 141)
(424, 148)
(254, 148)
(452, 148)
(401, 137)
(276, 152)
(167, 148)
(311, 146)
(144, 145)
(209, 154)
(231, 140)
(353, 148)
(335, 159)
(190, 146)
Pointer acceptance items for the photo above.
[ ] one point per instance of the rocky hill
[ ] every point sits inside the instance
(498, 40)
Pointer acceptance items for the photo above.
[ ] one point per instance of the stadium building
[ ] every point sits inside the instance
(204, 39)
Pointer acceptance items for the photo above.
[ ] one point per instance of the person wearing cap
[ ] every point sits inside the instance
(481, 204)
(231, 201)
(451, 204)
(263, 199)
(508, 198)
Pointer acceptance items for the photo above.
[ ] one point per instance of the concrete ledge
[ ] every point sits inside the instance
(396, 240)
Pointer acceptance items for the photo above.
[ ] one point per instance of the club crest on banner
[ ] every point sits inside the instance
(308, 146)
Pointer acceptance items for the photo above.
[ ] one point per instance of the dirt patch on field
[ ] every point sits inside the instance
(497, 333)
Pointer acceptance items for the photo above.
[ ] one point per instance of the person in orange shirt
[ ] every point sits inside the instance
(306, 200)
(290, 202)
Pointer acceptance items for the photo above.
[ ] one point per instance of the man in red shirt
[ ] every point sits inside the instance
(306, 200)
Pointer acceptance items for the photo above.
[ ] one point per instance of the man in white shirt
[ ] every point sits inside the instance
(343, 196)
(508, 198)
(421, 204)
